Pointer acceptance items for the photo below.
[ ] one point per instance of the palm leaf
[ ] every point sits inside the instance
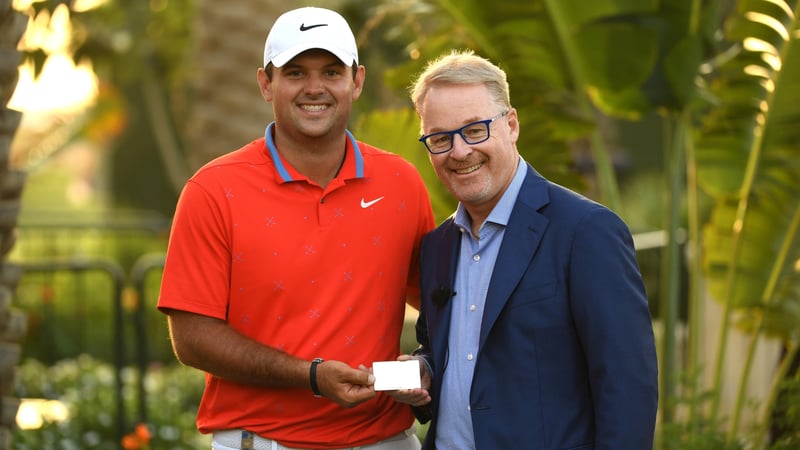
(748, 159)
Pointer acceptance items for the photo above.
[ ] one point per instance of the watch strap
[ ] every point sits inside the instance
(313, 376)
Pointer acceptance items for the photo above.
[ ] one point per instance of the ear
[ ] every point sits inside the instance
(513, 124)
(264, 84)
(358, 82)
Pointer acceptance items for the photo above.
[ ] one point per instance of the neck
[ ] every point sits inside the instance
(318, 159)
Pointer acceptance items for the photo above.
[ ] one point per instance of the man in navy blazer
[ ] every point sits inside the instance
(534, 325)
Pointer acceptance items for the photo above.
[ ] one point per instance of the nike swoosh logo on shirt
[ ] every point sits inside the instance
(369, 203)
(303, 26)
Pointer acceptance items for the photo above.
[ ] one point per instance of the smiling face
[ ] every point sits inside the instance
(312, 94)
(477, 175)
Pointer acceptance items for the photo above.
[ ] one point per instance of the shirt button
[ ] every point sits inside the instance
(469, 357)
(472, 307)
(476, 258)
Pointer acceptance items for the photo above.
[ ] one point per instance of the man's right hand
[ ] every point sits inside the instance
(343, 384)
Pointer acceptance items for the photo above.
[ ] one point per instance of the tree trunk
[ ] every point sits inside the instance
(12, 321)
(229, 47)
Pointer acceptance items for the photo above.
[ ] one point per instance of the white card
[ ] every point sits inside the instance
(392, 375)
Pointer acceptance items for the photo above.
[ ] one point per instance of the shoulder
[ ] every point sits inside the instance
(567, 201)
(249, 155)
(564, 207)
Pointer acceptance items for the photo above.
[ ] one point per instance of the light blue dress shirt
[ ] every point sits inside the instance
(474, 272)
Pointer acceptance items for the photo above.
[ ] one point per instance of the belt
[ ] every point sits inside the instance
(247, 440)
(241, 439)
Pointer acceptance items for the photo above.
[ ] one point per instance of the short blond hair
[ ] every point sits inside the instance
(462, 67)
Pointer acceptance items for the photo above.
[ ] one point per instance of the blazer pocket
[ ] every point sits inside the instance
(538, 307)
(527, 295)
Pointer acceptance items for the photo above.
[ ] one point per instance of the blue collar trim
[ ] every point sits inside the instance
(284, 174)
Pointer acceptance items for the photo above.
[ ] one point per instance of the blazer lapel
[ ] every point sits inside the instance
(522, 237)
(445, 272)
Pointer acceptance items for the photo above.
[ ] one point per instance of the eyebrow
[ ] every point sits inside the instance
(442, 130)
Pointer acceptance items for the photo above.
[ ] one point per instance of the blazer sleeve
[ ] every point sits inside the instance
(424, 413)
(611, 314)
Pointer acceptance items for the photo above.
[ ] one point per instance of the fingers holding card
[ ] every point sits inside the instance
(394, 375)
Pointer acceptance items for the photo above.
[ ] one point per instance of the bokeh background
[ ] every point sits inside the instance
(680, 115)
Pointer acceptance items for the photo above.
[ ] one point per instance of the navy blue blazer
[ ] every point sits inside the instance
(566, 357)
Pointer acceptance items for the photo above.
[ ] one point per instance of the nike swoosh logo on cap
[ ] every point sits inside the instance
(369, 203)
(303, 26)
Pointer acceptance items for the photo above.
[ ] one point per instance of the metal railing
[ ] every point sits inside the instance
(85, 290)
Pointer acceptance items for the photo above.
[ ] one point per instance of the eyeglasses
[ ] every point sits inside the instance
(472, 133)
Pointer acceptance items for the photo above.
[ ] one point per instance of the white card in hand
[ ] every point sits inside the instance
(393, 375)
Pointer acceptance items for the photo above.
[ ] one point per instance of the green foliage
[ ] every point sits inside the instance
(86, 386)
(705, 433)
(747, 159)
(786, 431)
(677, 436)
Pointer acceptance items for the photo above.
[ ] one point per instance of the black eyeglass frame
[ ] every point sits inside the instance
(460, 131)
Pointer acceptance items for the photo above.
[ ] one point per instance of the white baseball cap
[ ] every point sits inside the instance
(302, 29)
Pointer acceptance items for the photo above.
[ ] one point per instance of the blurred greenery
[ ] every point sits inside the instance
(86, 386)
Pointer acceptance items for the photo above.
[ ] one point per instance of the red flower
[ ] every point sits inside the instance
(138, 440)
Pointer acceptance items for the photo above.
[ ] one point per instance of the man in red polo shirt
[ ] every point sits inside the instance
(291, 259)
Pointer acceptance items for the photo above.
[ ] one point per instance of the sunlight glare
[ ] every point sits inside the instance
(61, 86)
(86, 5)
(770, 22)
(33, 412)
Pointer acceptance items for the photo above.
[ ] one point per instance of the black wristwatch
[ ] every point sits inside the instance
(313, 376)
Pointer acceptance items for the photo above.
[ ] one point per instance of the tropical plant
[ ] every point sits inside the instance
(747, 159)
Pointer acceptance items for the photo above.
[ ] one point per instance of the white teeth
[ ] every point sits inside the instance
(313, 107)
(468, 169)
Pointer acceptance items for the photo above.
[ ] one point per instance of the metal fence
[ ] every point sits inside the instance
(90, 287)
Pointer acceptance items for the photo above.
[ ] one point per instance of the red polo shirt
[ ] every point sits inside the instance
(313, 272)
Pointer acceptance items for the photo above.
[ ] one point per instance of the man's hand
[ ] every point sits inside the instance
(344, 385)
(415, 397)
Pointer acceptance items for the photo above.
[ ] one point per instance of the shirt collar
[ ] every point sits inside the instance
(352, 167)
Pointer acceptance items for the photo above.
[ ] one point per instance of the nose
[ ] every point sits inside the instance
(314, 85)
(460, 146)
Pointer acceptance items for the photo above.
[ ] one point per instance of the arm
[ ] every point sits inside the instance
(612, 318)
(211, 345)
